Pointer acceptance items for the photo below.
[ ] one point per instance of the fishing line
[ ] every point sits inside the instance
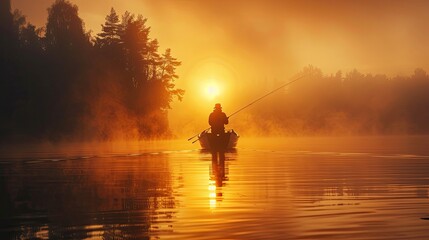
(250, 104)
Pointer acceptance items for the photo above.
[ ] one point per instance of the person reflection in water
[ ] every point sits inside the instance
(217, 179)
(218, 168)
(217, 120)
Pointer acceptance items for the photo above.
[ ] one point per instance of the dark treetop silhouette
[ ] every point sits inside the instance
(58, 82)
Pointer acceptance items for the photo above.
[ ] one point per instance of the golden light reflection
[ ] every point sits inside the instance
(212, 187)
(217, 179)
(212, 203)
(212, 194)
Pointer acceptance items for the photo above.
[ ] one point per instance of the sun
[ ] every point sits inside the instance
(212, 90)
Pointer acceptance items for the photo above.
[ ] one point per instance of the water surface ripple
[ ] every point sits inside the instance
(312, 188)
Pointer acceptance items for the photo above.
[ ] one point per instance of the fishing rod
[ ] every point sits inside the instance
(250, 104)
(275, 90)
(189, 139)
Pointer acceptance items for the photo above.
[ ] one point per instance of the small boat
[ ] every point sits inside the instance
(219, 142)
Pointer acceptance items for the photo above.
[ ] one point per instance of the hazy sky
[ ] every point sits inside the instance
(240, 42)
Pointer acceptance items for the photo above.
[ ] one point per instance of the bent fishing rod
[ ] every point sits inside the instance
(250, 104)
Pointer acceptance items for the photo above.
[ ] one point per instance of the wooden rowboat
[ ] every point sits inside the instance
(219, 142)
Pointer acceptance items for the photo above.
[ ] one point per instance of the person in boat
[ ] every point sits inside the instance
(217, 120)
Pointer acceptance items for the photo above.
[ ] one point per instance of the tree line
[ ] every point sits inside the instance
(346, 104)
(60, 82)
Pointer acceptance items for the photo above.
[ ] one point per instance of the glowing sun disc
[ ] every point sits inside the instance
(212, 91)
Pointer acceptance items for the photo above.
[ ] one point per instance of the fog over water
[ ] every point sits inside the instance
(249, 48)
(295, 188)
(99, 97)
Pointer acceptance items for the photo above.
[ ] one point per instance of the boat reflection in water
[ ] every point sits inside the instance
(299, 188)
(218, 178)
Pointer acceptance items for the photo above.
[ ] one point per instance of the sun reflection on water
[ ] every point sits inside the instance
(217, 179)
(212, 194)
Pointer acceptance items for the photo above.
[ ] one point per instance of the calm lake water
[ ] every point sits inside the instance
(284, 188)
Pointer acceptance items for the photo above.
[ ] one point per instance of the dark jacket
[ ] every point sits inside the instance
(217, 120)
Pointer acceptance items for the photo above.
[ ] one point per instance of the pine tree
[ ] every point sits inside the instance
(167, 76)
(111, 30)
(160, 91)
(135, 39)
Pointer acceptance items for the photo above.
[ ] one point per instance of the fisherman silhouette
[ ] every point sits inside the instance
(217, 120)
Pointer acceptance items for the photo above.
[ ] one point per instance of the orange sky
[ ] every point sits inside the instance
(237, 43)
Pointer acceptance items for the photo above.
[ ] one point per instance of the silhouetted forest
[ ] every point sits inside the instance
(59, 82)
(346, 104)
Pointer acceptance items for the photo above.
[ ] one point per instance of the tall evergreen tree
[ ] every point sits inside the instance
(109, 44)
(110, 31)
(167, 77)
(51, 83)
(135, 42)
